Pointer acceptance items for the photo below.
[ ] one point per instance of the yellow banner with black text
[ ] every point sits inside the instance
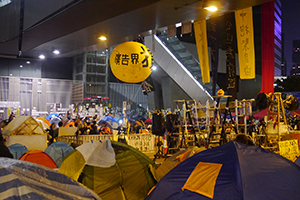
(202, 49)
(245, 43)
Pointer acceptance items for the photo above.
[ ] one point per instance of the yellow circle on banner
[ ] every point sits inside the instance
(109, 105)
(131, 62)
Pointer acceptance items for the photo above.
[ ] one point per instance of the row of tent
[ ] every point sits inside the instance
(232, 171)
(52, 157)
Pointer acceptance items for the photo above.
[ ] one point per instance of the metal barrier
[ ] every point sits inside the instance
(141, 142)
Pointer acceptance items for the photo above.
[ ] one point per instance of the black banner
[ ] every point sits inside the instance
(231, 50)
(213, 28)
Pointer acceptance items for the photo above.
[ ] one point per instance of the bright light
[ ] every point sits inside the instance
(21, 66)
(56, 52)
(120, 121)
(103, 38)
(178, 24)
(42, 57)
(28, 62)
(154, 68)
(211, 8)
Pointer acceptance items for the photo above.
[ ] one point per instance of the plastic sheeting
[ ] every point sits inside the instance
(23, 180)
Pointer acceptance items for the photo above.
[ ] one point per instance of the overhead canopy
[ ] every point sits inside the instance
(231, 171)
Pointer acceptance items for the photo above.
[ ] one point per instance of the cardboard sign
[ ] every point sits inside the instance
(289, 149)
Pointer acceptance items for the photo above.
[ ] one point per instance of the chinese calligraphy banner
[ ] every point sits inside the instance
(202, 48)
(245, 41)
(131, 62)
(289, 149)
(214, 30)
(230, 55)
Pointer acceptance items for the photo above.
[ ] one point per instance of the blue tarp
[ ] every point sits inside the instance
(17, 150)
(247, 173)
(58, 150)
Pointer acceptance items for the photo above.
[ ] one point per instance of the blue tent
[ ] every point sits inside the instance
(17, 150)
(232, 171)
(58, 150)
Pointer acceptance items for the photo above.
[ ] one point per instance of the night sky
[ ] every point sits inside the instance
(290, 27)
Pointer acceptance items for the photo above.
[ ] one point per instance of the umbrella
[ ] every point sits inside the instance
(149, 120)
(52, 115)
(55, 120)
(46, 121)
(44, 124)
(138, 117)
(24, 180)
(109, 119)
(231, 171)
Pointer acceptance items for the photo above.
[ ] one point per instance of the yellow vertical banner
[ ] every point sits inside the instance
(202, 48)
(8, 112)
(245, 42)
(18, 111)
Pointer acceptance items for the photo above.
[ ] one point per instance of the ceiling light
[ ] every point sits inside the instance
(178, 24)
(211, 8)
(56, 52)
(21, 66)
(42, 57)
(154, 68)
(103, 38)
(28, 62)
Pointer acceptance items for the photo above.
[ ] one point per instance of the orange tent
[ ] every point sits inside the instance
(39, 157)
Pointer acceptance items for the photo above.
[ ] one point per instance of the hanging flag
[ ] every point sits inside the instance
(213, 26)
(202, 48)
(171, 30)
(267, 47)
(186, 27)
(230, 55)
(245, 41)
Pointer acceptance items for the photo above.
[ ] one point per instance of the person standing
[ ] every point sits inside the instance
(51, 133)
(4, 151)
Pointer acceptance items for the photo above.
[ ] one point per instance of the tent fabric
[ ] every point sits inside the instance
(203, 179)
(58, 150)
(175, 159)
(261, 114)
(24, 180)
(17, 150)
(128, 179)
(98, 153)
(23, 125)
(247, 173)
(39, 157)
